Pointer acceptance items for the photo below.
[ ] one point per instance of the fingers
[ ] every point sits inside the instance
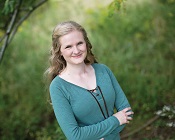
(124, 115)
(129, 118)
(127, 109)
(129, 113)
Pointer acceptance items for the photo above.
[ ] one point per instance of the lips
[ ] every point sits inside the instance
(77, 56)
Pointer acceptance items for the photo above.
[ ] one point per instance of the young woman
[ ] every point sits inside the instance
(83, 92)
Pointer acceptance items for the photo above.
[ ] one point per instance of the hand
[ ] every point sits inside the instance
(124, 115)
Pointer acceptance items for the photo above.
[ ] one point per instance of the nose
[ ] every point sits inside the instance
(75, 50)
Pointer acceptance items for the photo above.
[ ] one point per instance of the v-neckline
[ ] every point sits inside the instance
(96, 82)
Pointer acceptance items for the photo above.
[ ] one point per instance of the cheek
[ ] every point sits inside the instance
(85, 48)
(62, 51)
(65, 53)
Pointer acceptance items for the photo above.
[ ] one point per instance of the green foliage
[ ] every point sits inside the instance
(8, 6)
(137, 44)
(140, 47)
(115, 6)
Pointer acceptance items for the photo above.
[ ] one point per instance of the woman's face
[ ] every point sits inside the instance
(73, 48)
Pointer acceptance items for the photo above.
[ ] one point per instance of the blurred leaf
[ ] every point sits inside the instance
(8, 7)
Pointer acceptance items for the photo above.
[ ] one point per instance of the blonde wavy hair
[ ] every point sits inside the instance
(57, 62)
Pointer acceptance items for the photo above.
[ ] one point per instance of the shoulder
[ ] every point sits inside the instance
(101, 67)
(57, 84)
(54, 85)
(58, 87)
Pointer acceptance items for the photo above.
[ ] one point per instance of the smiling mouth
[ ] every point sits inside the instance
(77, 56)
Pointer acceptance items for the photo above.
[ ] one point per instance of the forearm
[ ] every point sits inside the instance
(71, 128)
(119, 128)
(93, 132)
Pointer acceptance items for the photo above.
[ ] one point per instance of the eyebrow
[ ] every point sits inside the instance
(79, 42)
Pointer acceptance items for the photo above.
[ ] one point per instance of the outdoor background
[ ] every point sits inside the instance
(137, 43)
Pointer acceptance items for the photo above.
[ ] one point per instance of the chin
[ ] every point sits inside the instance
(78, 61)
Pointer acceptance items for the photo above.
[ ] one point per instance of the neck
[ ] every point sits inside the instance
(76, 69)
